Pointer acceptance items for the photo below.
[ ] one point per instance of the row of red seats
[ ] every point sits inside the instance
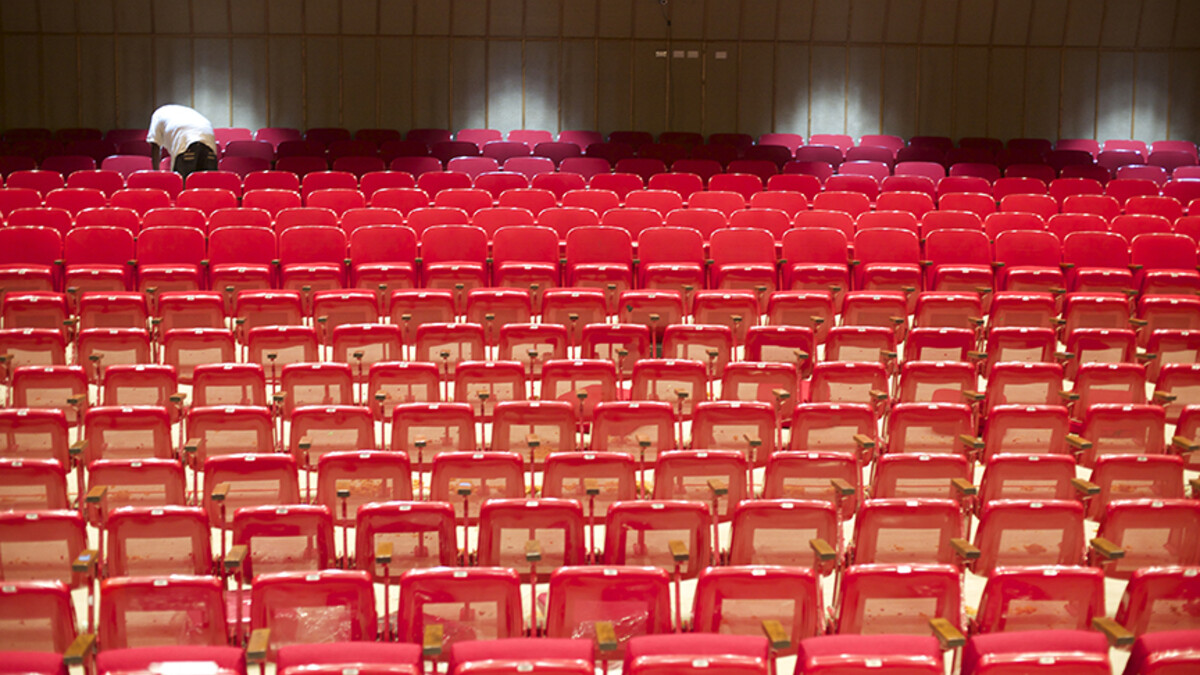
(581, 599)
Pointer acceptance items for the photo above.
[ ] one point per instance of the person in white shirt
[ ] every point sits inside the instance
(186, 135)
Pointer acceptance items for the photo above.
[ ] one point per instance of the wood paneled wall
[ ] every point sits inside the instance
(1004, 68)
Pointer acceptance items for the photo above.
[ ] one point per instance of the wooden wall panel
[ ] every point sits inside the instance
(953, 67)
(212, 83)
(504, 85)
(1078, 118)
(901, 91)
(541, 86)
(59, 54)
(1114, 101)
(828, 90)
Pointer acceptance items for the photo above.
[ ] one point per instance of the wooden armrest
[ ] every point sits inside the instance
(1078, 442)
(972, 442)
(1085, 487)
(343, 489)
(887, 355)
(532, 440)
(177, 398)
(822, 549)
(678, 550)
(948, 636)
(78, 448)
(864, 441)
(842, 487)
(643, 440)
(879, 395)
(192, 445)
(1194, 483)
(381, 396)
(305, 443)
(781, 394)
(85, 561)
(752, 441)
(1138, 322)
(972, 395)
(1064, 356)
(978, 320)
(1068, 395)
(977, 356)
(431, 642)
(383, 553)
(817, 320)
(1118, 635)
(606, 636)
(1184, 443)
(483, 394)
(236, 556)
(256, 648)
(965, 549)
(1164, 397)
(80, 649)
(681, 393)
(463, 489)
(533, 551)
(964, 487)
(96, 494)
(220, 492)
(776, 635)
(420, 441)
(1106, 548)
(718, 487)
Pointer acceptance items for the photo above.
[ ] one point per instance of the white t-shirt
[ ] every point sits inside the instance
(175, 127)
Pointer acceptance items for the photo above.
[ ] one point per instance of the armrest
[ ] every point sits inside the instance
(781, 394)
(343, 489)
(533, 551)
(463, 490)
(96, 494)
(305, 443)
(78, 448)
(383, 553)
(220, 492)
(972, 442)
(1138, 323)
(1184, 443)
(86, 561)
(964, 549)
(681, 393)
(606, 636)
(1107, 549)
(1084, 487)
(718, 487)
(1195, 485)
(431, 642)
(972, 395)
(643, 441)
(1078, 442)
(420, 442)
(80, 649)
(1118, 635)
(842, 487)
(977, 356)
(752, 441)
(192, 445)
(256, 648)
(1064, 356)
(678, 550)
(776, 635)
(177, 398)
(822, 549)
(948, 636)
(1163, 397)
(237, 556)
(964, 487)
(532, 440)
(878, 395)
(381, 396)
(864, 441)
